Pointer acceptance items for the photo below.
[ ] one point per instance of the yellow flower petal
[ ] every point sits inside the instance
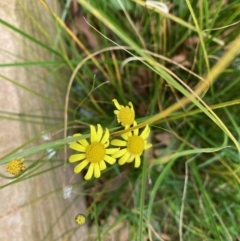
(106, 144)
(83, 142)
(109, 159)
(116, 104)
(77, 157)
(119, 153)
(112, 150)
(116, 112)
(126, 135)
(117, 142)
(77, 147)
(89, 172)
(131, 105)
(137, 161)
(102, 165)
(97, 173)
(77, 134)
(105, 138)
(99, 133)
(93, 135)
(131, 159)
(149, 145)
(145, 132)
(135, 132)
(80, 166)
(124, 158)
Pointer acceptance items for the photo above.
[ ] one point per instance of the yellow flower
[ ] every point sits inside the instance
(96, 153)
(135, 145)
(16, 166)
(125, 115)
(80, 219)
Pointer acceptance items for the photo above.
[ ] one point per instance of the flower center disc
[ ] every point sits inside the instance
(135, 145)
(95, 152)
(15, 166)
(126, 116)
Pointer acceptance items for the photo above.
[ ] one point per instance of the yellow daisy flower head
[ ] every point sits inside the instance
(94, 153)
(80, 219)
(134, 145)
(16, 166)
(125, 114)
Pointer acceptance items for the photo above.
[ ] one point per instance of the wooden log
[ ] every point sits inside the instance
(33, 209)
